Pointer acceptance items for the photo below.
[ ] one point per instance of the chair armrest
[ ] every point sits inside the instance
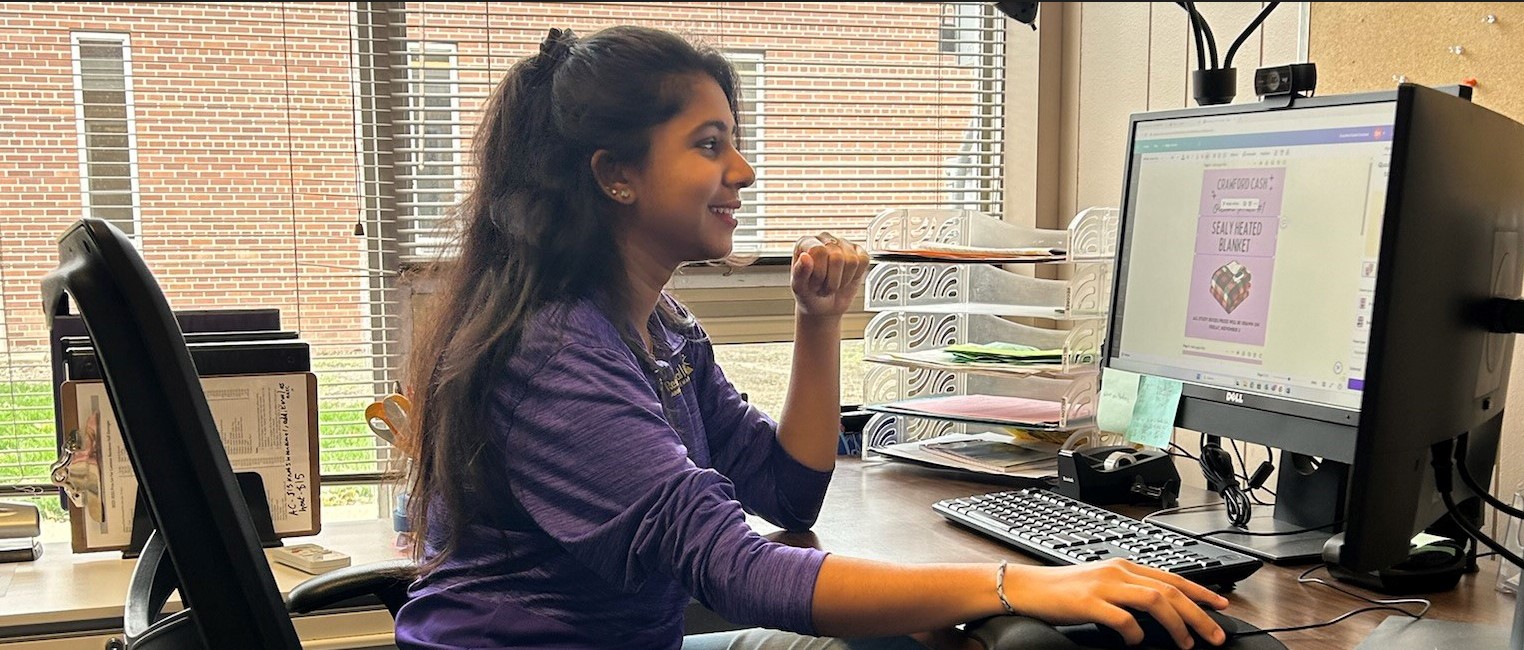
(387, 581)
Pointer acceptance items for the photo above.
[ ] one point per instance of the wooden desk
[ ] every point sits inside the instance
(877, 510)
(881, 510)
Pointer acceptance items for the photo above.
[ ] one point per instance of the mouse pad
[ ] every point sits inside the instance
(1007, 632)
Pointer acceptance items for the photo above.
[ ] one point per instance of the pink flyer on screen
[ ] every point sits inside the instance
(1236, 235)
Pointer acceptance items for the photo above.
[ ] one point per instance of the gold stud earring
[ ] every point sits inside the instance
(624, 194)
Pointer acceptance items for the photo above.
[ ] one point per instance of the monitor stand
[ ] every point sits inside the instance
(1280, 549)
(1308, 494)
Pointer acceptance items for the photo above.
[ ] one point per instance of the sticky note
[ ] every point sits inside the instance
(1119, 389)
(1153, 411)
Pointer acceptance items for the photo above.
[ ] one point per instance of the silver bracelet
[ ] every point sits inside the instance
(1000, 589)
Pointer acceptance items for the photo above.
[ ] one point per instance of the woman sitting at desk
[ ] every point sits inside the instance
(582, 462)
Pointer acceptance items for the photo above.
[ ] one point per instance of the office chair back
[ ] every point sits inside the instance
(204, 543)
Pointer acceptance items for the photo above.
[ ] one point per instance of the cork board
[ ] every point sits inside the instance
(1362, 46)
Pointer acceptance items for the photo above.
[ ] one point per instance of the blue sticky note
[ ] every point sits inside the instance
(1153, 412)
(1119, 389)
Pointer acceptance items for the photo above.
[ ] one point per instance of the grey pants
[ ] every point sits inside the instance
(759, 639)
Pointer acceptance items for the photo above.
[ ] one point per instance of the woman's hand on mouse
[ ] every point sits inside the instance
(1103, 592)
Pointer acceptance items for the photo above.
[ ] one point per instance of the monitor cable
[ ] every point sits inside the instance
(1180, 452)
(1441, 458)
(1244, 466)
(1390, 605)
(1217, 467)
(1231, 531)
(1176, 509)
(1465, 475)
(1272, 533)
(1177, 450)
(1269, 457)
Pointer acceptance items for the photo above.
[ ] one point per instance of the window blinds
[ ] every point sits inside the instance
(298, 155)
(222, 137)
(848, 107)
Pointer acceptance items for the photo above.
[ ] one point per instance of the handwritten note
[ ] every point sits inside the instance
(1119, 389)
(1153, 412)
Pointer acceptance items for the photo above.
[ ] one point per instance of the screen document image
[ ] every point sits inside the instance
(1252, 249)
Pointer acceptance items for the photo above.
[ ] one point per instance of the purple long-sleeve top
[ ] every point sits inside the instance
(602, 518)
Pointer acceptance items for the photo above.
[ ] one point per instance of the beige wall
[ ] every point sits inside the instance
(1362, 46)
(1119, 58)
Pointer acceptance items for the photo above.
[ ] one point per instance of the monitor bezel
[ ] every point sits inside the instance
(1250, 403)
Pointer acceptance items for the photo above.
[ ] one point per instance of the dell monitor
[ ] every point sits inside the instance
(1305, 271)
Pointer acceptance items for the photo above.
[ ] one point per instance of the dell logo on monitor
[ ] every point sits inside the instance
(1236, 398)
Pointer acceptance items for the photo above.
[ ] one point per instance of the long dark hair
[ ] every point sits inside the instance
(536, 228)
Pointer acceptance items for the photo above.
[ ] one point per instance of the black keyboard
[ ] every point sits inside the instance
(1061, 530)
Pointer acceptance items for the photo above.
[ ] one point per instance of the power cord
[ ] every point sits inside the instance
(1276, 533)
(1390, 605)
(1305, 579)
(1441, 459)
(1269, 456)
(1170, 511)
(1223, 466)
(1465, 475)
(1180, 451)
(1217, 467)
(1237, 452)
(1230, 531)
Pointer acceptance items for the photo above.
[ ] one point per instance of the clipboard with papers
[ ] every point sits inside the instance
(268, 424)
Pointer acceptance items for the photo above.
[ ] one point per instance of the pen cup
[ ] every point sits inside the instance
(1513, 540)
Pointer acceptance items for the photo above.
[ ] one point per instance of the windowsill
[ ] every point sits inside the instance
(79, 595)
(708, 277)
(764, 267)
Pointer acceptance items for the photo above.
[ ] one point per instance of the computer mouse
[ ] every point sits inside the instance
(1156, 636)
(1032, 634)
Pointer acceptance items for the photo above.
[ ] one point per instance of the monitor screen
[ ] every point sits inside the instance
(1251, 250)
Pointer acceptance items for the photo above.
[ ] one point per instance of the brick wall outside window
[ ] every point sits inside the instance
(247, 185)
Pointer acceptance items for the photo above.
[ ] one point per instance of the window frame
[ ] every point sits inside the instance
(78, 38)
(409, 220)
(753, 132)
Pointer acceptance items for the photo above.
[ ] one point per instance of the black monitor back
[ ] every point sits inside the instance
(172, 442)
(1455, 209)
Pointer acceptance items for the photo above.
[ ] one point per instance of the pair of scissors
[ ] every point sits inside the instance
(388, 418)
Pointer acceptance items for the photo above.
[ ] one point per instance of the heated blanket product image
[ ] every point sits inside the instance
(1231, 283)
